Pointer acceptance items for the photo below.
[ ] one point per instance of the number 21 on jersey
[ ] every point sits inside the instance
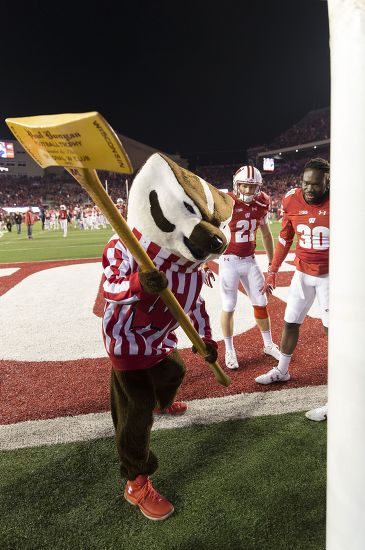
(245, 231)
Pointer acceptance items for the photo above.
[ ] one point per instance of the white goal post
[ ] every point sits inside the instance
(346, 382)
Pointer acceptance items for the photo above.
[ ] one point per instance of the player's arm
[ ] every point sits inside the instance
(267, 240)
(283, 245)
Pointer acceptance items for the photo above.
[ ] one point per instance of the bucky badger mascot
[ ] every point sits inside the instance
(181, 221)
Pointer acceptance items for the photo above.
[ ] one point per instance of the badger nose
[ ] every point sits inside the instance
(215, 243)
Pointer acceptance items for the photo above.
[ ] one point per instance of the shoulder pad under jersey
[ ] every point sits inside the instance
(290, 197)
(290, 192)
(262, 199)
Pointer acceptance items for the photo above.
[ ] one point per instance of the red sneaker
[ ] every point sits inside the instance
(177, 408)
(141, 493)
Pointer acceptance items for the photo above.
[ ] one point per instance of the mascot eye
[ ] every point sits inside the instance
(189, 207)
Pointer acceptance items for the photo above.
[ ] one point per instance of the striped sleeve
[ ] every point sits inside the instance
(285, 240)
(121, 282)
(200, 319)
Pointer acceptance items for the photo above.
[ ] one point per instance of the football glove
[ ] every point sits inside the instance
(209, 277)
(270, 282)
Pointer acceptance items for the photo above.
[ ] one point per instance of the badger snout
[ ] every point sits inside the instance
(205, 239)
(216, 243)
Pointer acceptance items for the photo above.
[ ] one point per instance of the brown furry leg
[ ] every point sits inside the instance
(167, 377)
(132, 402)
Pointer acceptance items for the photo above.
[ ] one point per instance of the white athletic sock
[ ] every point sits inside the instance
(267, 338)
(284, 363)
(228, 341)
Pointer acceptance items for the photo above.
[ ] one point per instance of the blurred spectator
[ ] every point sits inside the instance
(18, 222)
(29, 221)
(8, 222)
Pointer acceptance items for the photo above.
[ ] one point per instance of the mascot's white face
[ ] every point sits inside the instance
(179, 211)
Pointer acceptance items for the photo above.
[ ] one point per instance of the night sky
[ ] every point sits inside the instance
(180, 76)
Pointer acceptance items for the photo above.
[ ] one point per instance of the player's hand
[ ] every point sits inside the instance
(212, 351)
(209, 277)
(270, 283)
(153, 281)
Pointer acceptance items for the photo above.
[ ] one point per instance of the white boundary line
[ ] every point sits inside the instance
(201, 411)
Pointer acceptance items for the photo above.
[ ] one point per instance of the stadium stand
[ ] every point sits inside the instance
(290, 151)
(52, 190)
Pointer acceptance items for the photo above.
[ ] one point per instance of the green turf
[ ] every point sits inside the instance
(275, 229)
(257, 484)
(51, 245)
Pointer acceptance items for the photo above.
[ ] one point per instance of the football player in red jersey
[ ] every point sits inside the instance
(306, 213)
(238, 264)
(63, 219)
(122, 207)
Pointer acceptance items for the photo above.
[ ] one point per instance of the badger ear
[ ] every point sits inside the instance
(158, 216)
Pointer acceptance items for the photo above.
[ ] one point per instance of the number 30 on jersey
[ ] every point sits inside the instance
(317, 238)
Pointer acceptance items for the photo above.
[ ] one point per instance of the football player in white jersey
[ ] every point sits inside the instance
(238, 264)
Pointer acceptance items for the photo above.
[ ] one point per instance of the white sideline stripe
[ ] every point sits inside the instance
(6, 271)
(84, 427)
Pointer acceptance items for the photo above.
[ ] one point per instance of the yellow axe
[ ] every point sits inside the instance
(82, 143)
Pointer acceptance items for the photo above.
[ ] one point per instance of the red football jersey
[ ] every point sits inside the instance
(63, 215)
(245, 220)
(310, 223)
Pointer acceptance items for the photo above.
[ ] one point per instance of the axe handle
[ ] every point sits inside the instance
(89, 180)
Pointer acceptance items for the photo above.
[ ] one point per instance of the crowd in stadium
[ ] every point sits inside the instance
(52, 190)
(315, 126)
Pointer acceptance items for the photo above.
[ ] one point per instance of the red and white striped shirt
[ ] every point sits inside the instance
(138, 328)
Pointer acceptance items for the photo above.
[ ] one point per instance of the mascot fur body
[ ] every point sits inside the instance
(182, 222)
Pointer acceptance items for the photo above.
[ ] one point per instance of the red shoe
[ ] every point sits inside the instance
(141, 493)
(177, 408)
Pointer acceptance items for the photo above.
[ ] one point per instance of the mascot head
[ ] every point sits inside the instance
(179, 211)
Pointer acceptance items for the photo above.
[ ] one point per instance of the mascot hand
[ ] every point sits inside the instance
(212, 353)
(153, 281)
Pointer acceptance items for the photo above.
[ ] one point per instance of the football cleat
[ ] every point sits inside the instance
(231, 360)
(318, 414)
(274, 375)
(272, 350)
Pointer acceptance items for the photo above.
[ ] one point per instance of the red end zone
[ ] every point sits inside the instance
(47, 389)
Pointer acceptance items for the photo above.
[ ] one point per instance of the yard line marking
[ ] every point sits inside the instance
(85, 427)
(6, 271)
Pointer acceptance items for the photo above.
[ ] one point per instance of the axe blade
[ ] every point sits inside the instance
(74, 140)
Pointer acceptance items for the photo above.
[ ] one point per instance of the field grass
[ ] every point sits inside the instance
(254, 484)
(51, 245)
(242, 485)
